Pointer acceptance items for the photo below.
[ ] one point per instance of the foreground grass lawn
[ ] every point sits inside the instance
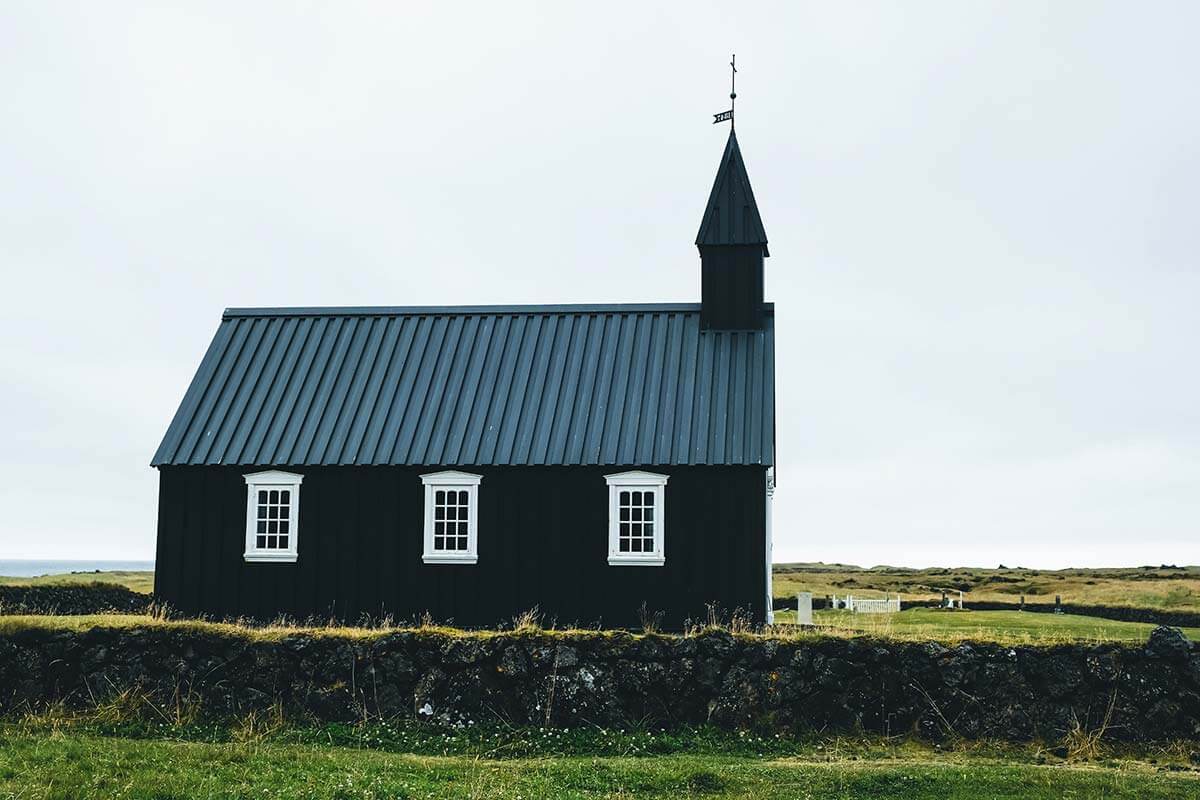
(71, 764)
(935, 623)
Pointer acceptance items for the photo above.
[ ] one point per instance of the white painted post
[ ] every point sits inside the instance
(960, 607)
(769, 513)
(804, 608)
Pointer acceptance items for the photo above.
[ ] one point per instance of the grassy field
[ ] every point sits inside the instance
(1165, 587)
(1003, 626)
(50, 757)
(39, 762)
(137, 581)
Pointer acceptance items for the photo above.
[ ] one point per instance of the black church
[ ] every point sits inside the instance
(596, 462)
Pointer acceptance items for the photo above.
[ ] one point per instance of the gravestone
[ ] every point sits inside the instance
(804, 608)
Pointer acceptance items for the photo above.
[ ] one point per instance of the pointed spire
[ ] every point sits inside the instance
(731, 217)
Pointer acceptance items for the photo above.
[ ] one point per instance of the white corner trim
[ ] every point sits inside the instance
(769, 514)
(274, 476)
(636, 478)
(451, 478)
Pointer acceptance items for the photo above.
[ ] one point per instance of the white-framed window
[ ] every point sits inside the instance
(272, 515)
(451, 517)
(635, 519)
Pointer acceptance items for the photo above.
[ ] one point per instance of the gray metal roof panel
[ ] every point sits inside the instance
(518, 385)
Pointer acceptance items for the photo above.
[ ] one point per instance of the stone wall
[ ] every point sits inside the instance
(618, 679)
(72, 598)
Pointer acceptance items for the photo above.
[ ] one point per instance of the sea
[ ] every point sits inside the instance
(30, 568)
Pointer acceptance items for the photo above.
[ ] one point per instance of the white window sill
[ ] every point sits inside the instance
(286, 558)
(636, 561)
(449, 558)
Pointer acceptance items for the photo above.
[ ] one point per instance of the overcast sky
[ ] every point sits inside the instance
(984, 223)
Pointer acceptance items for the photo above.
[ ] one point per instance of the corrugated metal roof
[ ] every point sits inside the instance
(520, 385)
(731, 216)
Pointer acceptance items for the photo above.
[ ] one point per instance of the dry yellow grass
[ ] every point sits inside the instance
(927, 625)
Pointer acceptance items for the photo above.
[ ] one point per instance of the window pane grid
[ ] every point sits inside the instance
(451, 518)
(273, 513)
(635, 520)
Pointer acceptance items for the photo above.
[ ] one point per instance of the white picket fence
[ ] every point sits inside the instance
(804, 606)
(861, 605)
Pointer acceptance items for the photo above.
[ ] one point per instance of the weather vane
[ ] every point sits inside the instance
(728, 115)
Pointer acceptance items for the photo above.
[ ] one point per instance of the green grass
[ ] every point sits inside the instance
(135, 580)
(1003, 626)
(1166, 588)
(39, 764)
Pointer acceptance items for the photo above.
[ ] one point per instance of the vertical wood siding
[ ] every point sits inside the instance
(543, 542)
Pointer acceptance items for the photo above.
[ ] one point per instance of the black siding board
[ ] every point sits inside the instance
(543, 542)
(166, 560)
(388, 566)
(209, 562)
(349, 532)
(193, 546)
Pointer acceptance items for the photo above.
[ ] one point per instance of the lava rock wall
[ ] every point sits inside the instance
(973, 690)
(72, 598)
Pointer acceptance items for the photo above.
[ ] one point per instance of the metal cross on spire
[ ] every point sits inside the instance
(728, 115)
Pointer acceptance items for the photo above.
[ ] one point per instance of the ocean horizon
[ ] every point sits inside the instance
(33, 567)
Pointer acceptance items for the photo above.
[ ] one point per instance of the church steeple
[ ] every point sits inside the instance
(731, 216)
(733, 244)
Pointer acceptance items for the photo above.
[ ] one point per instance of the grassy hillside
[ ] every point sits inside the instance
(1165, 587)
(137, 581)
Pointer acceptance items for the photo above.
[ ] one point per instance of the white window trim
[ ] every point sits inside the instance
(451, 479)
(272, 479)
(636, 479)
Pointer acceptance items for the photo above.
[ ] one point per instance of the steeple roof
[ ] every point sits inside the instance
(731, 216)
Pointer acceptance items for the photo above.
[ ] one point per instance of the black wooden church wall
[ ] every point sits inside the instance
(543, 542)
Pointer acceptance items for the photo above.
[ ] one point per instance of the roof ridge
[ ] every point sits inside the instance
(395, 311)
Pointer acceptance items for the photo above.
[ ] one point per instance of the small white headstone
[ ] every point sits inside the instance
(804, 608)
